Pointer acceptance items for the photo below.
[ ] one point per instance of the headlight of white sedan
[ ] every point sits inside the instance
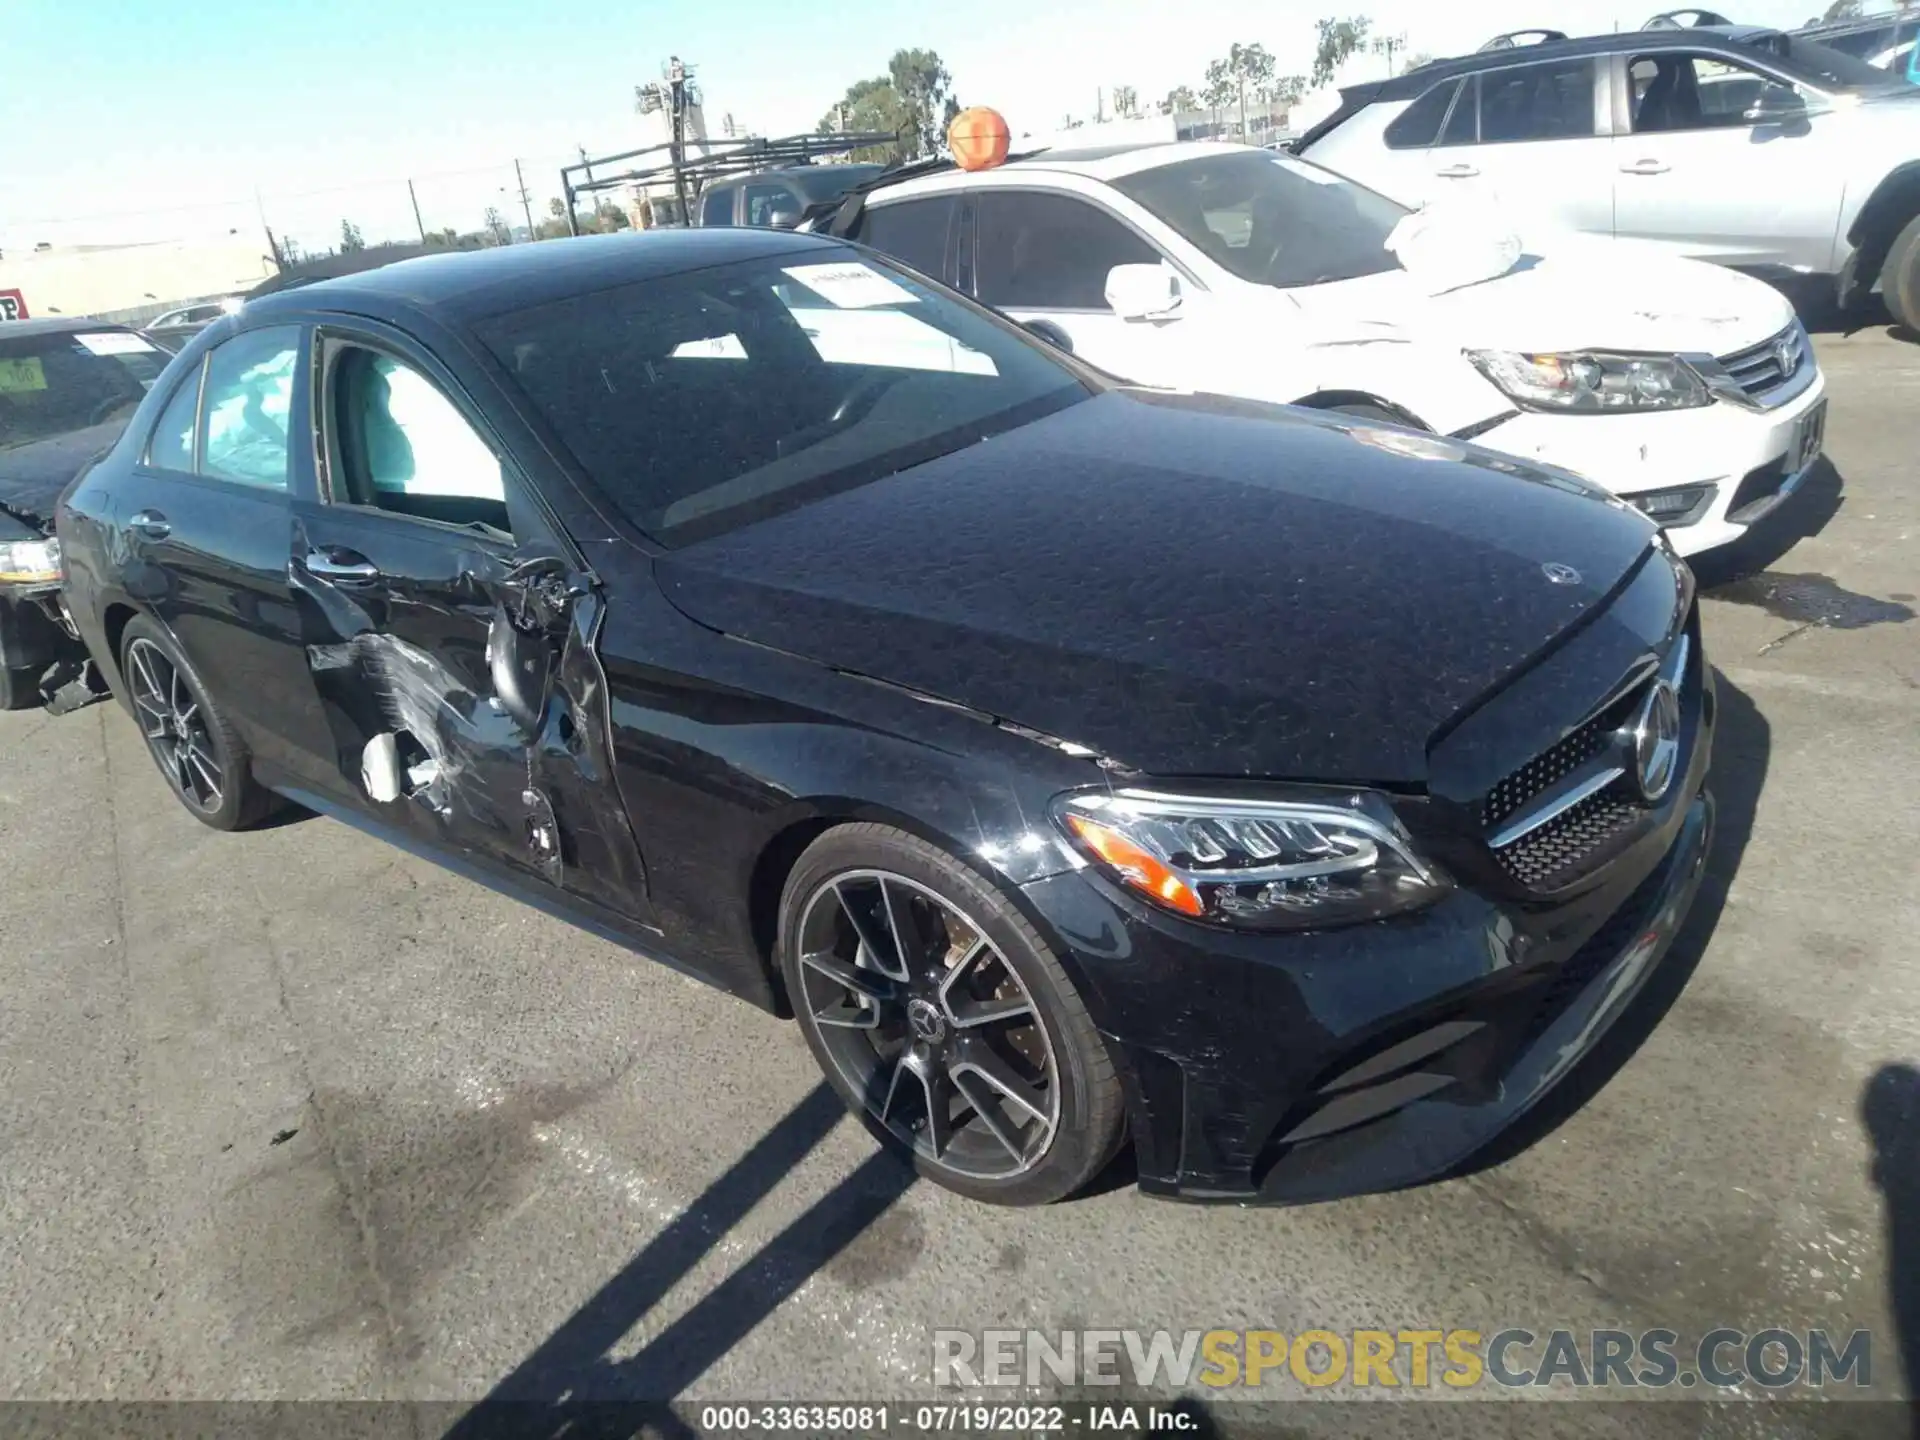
(30, 562)
(1593, 382)
(1290, 864)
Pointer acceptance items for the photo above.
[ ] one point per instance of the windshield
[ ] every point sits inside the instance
(1824, 66)
(704, 401)
(1271, 219)
(53, 385)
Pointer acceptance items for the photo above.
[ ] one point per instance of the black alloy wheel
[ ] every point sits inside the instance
(943, 1021)
(203, 759)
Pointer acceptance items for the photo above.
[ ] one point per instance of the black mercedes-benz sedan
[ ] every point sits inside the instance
(1297, 798)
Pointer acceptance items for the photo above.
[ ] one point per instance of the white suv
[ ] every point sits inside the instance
(1743, 146)
(1687, 389)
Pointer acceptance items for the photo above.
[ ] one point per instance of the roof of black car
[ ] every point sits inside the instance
(53, 325)
(1641, 42)
(468, 284)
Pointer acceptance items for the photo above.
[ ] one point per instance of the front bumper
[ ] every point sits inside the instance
(1747, 457)
(1295, 1068)
(31, 635)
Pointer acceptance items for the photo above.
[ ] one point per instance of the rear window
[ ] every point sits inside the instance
(1418, 126)
(701, 402)
(54, 385)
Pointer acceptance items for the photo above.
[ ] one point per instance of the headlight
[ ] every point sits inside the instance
(1255, 864)
(30, 562)
(1593, 383)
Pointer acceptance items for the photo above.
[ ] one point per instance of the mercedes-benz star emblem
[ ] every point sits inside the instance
(1560, 574)
(1655, 737)
(925, 1020)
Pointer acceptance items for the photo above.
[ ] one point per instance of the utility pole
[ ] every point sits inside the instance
(421, 224)
(525, 204)
(677, 89)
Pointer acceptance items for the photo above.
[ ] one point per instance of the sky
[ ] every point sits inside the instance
(134, 120)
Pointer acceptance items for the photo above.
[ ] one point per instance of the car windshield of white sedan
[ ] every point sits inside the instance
(705, 401)
(1271, 219)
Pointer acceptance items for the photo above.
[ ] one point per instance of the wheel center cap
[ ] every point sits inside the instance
(925, 1019)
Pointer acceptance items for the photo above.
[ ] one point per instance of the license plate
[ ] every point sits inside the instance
(1808, 436)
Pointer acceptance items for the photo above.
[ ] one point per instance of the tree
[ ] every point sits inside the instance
(495, 226)
(1844, 9)
(1245, 67)
(924, 89)
(1126, 102)
(1415, 60)
(1283, 90)
(608, 217)
(871, 105)
(1179, 99)
(1338, 40)
(350, 239)
(1220, 89)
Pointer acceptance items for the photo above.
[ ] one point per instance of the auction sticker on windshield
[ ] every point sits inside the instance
(21, 374)
(850, 285)
(113, 342)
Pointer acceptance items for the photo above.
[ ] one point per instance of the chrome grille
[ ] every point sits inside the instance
(1762, 369)
(1557, 852)
(1533, 778)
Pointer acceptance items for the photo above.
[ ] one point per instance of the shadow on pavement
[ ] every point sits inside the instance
(570, 1384)
(1890, 1110)
(1742, 745)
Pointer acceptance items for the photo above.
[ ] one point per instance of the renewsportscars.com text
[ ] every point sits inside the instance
(1725, 1359)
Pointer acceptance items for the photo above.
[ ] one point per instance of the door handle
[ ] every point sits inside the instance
(1645, 167)
(1456, 172)
(152, 524)
(336, 562)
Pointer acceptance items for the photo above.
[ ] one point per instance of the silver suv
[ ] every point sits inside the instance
(1746, 146)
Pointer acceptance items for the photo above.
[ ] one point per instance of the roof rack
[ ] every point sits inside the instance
(723, 158)
(1514, 39)
(1676, 20)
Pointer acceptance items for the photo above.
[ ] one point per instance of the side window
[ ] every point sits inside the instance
(402, 445)
(1694, 92)
(1418, 126)
(914, 231)
(717, 208)
(171, 445)
(1549, 101)
(763, 200)
(1050, 252)
(245, 405)
(1463, 125)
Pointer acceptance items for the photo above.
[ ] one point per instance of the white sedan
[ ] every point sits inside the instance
(1686, 389)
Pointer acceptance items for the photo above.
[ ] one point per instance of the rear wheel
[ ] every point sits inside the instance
(1900, 276)
(202, 758)
(944, 1021)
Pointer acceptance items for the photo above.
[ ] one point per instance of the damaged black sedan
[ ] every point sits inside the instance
(1296, 798)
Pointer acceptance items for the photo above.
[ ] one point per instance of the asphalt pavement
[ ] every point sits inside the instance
(294, 1115)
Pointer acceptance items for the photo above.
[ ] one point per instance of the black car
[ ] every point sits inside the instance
(778, 198)
(1299, 798)
(67, 388)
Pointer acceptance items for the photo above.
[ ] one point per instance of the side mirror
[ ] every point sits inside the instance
(1776, 105)
(520, 664)
(1143, 292)
(783, 217)
(1051, 333)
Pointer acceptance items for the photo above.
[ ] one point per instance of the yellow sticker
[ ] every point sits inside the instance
(21, 374)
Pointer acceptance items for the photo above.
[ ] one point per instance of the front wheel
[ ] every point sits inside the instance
(943, 1019)
(1900, 276)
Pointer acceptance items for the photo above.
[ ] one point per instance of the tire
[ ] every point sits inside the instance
(1900, 276)
(19, 689)
(1008, 1022)
(195, 747)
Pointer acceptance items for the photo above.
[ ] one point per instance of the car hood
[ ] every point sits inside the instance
(1584, 292)
(32, 476)
(1187, 585)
